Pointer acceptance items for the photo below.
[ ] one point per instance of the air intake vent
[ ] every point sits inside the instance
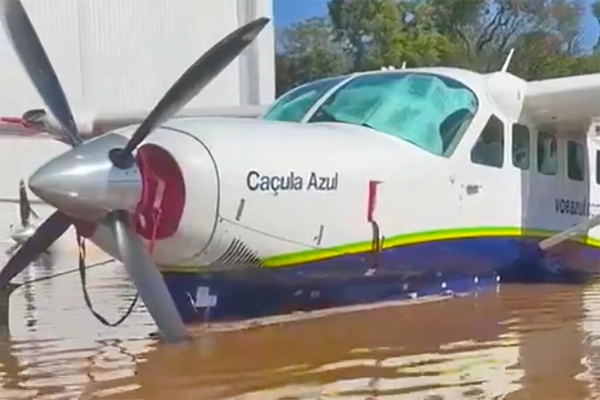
(237, 256)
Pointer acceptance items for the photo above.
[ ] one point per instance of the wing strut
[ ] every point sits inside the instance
(578, 230)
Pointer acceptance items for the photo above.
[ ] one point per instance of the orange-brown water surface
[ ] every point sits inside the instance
(519, 342)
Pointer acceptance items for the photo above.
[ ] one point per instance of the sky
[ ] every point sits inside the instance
(288, 12)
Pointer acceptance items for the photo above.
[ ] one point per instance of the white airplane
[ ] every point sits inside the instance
(348, 190)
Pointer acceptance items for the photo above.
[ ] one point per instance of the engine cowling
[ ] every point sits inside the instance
(177, 212)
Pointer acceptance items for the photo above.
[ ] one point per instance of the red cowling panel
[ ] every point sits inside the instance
(163, 193)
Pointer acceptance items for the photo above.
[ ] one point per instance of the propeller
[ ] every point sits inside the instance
(193, 80)
(87, 196)
(33, 57)
(25, 209)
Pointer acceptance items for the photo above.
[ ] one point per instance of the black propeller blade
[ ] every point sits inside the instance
(25, 209)
(35, 61)
(193, 80)
(42, 239)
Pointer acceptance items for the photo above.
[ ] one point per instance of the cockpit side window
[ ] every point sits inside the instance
(489, 148)
(428, 110)
(294, 105)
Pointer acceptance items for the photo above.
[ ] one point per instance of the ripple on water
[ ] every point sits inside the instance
(56, 348)
(468, 371)
(590, 325)
(522, 342)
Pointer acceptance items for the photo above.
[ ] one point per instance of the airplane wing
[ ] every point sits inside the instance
(93, 125)
(108, 122)
(572, 100)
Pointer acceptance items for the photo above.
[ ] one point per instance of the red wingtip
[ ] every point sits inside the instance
(17, 122)
(12, 121)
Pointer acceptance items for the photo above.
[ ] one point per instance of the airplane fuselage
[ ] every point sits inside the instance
(263, 217)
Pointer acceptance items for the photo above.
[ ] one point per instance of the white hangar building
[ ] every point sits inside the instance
(122, 56)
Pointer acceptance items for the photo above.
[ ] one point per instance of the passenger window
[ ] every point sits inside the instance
(547, 157)
(294, 105)
(575, 161)
(521, 146)
(489, 149)
(598, 167)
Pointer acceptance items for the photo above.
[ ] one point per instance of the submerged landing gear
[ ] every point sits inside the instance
(535, 265)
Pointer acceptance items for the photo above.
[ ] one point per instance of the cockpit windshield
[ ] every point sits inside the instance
(429, 110)
(294, 105)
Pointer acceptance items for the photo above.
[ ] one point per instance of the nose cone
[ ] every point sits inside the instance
(84, 183)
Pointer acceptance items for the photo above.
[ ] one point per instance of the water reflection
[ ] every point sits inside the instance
(43, 266)
(590, 326)
(551, 347)
(54, 343)
(522, 342)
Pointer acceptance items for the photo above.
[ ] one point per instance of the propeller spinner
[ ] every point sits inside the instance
(108, 193)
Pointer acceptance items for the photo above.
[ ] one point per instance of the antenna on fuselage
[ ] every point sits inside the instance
(507, 61)
(391, 67)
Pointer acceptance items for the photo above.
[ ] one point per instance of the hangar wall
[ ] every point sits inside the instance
(124, 54)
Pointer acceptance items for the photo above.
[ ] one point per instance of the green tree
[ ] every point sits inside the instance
(474, 34)
(352, 27)
(377, 33)
(544, 57)
(484, 31)
(307, 51)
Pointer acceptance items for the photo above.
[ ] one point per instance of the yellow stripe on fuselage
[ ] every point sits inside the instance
(292, 259)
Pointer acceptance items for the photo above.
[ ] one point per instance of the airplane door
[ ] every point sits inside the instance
(489, 195)
(594, 158)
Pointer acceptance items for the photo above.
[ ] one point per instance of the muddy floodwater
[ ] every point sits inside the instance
(517, 342)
